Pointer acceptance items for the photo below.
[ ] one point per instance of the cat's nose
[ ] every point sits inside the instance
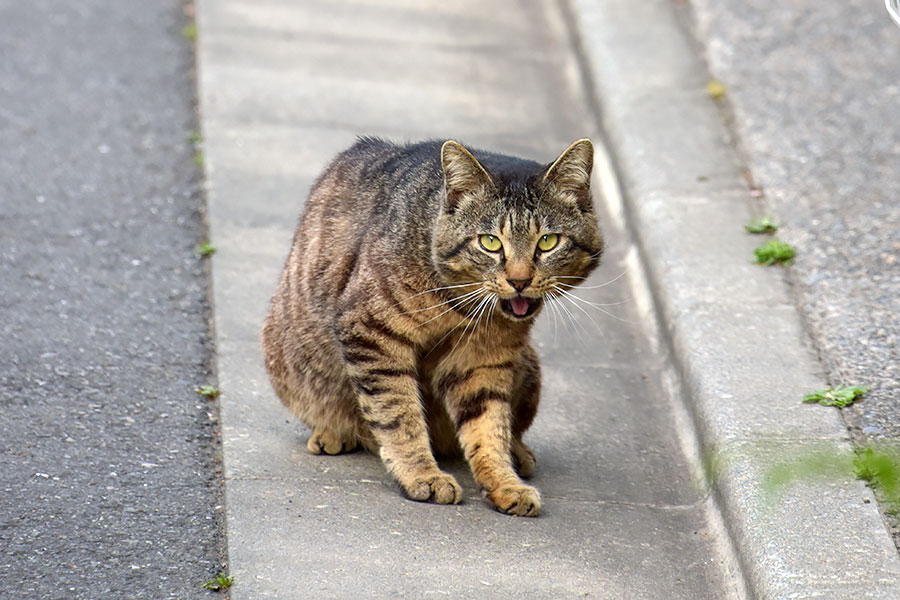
(519, 284)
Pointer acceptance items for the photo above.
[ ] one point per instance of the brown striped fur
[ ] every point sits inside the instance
(394, 328)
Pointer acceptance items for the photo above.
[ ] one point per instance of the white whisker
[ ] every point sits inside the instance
(466, 320)
(442, 303)
(595, 304)
(481, 313)
(445, 336)
(572, 298)
(579, 307)
(550, 303)
(437, 289)
(472, 321)
(468, 299)
(589, 287)
(565, 310)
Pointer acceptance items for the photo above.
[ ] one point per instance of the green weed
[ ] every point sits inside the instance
(880, 468)
(207, 391)
(205, 249)
(761, 225)
(189, 32)
(716, 89)
(774, 251)
(219, 582)
(842, 396)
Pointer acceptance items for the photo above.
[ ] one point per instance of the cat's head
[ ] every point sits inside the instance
(517, 228)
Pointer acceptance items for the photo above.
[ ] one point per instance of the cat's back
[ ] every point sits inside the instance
(373, 200)
(375, 176)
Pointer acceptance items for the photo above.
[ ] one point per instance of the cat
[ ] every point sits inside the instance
(402, 319)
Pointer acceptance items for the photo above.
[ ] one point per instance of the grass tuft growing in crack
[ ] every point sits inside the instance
(842, 396)
(205, 250)
(880, 468)
(219, 582)
(716, 89)
(774, 252)
(207, 391)
(761, 225)
(189, 32)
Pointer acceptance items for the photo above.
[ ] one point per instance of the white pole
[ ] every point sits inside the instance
(893, 8)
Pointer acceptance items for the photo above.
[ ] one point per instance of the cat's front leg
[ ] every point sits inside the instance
(381, 364)
(479, 400)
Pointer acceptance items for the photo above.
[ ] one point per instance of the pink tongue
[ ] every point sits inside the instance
(519, 305)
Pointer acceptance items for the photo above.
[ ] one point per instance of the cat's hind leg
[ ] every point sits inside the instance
(326, 404)
(525, 401)
(326, 441)
(523, 458)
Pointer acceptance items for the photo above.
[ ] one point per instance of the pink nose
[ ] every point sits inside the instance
(519, 284)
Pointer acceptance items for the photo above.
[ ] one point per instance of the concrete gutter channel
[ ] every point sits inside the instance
(738, 341)
(741, 353)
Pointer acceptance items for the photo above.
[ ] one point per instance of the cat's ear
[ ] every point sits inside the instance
(463, 174)
(570, 175)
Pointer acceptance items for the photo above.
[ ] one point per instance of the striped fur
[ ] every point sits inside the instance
(394, 329)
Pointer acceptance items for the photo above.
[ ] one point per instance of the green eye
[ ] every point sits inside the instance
(490, 243)
(548, 242)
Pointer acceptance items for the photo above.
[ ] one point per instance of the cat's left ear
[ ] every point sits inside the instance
(570, 175)
(463, 174)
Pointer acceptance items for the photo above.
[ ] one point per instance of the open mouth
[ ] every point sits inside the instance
(520, 306)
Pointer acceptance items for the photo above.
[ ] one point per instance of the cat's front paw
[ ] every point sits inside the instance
(518, 499)
(435, 487)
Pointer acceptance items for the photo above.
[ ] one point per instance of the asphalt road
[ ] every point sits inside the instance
(109, 468)
(813, 88)
(814, 92)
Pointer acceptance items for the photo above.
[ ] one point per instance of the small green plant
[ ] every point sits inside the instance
(199, 160)
(207, 391)
(205, 249)
(716, 89)
(219, 582)
(842, 396)
(189, 32)
(761, 225)
(880, 468)
(195, 137)
(774, 251)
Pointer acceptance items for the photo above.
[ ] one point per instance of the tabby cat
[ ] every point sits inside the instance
(401, 322)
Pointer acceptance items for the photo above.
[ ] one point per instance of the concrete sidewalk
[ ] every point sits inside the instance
(285, 85)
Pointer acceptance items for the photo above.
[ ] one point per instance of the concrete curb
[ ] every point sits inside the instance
(736, 337)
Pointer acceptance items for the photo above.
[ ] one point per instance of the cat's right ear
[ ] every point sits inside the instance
(463, 174)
